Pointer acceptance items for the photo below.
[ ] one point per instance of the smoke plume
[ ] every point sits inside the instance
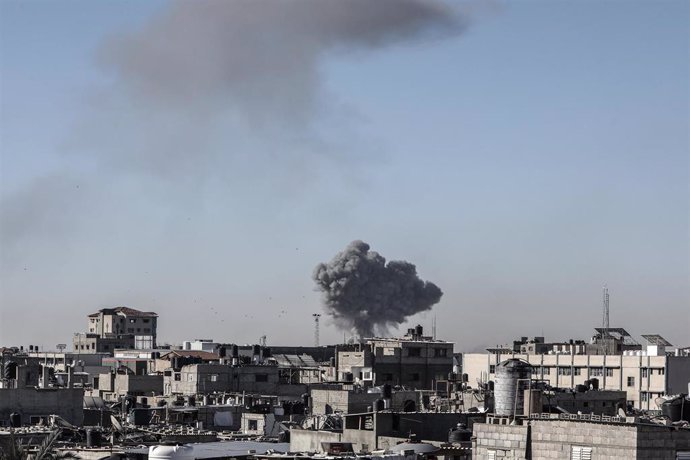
(362, 292)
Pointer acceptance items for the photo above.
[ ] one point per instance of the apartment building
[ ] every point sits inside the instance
(120, 327)
(644, 375)
(414, 360)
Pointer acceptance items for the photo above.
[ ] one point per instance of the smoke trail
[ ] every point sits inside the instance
(362, 292)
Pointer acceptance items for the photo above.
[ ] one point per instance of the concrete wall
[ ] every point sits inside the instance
(68, 403)
(555, 439)
(310, 441)
(678, 376)
(138, 385)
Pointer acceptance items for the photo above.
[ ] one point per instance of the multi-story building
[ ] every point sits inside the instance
(120, 327)
(644, 374)
(414, 360)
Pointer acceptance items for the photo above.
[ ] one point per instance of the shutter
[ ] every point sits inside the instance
(684, 455)
(580, 453)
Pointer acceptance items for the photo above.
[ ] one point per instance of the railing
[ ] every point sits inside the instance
(581, 417)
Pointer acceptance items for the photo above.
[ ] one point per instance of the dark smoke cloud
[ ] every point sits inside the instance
(259, 57)
(362, 292)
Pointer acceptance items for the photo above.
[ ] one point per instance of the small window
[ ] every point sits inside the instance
(214, 377)
(190, 377)
(414, 352)
(546, 370)
(491, 455)
(645, 372)
(577, 371)
(253, 425)
(492, 369)
(441, 352)
(609, 372)
(563, 371)
(261, 377)
(631, 381)
(661, 371)
(146, 320)
(596, 372)
(177, 377)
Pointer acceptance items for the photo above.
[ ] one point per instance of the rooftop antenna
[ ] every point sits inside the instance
(316, 328)
(262, 341)
(433, 328)
(605, 320)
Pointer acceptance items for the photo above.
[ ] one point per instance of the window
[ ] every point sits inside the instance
(146, 320)
(440, 352)
(546, 370)
(660, 371)
(138, 329)
(577, 370)
(631, 381)
(214, 377)
(261, 377)
(644, 397)
(177, 377)
(491, 455)
(563, 371)
(580, 453)
(609, 372)
(253, 425)
(492, 369)
(190, 377)
(645, 372)
(414, 352)
(595, 372)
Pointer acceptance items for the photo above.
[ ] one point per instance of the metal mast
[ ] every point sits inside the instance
(316, 328)
(605, 320)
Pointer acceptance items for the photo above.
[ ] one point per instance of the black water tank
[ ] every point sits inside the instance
(234, 351)
(191, 401)
(581, 388)
(459, 435)
(162, 402)
(222, 352)
(419, 330)
(595, 383)
(387, 391)
(93, 438)
(15, 420)
(379, 405)
(256, 350)
(267, 352)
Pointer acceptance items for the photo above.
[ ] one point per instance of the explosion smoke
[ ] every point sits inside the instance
(362, 292)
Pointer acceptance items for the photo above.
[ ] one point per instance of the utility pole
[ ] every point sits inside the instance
(316, 328)
(605, 321)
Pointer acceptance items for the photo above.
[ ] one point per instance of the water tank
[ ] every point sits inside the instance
(93, 438)
(15, 420)
(676, 409)
(595, 383)
(387, 391)
(181, 452)
(459, 435)
(418, 330)
(379, 405)
(222, 352)
(509, 388)
(191, 401)
(256, 350)
(234, 351)
(581, 388)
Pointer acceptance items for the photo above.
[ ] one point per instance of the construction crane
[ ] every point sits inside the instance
(316, 328)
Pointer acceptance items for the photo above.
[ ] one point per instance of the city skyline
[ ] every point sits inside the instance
(520, 155)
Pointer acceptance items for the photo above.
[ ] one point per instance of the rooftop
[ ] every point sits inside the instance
(124, 311)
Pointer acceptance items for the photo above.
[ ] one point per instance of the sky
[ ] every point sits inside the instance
(200, 159)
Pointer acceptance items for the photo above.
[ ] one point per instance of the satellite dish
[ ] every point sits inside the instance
(621, 412)
(116, 423)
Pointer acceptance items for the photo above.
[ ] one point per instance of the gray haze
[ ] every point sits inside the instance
(362, 292)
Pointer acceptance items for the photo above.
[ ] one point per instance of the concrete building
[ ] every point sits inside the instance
(581, 438)
(119, 327)
(326, 400)
(35, 405)
(414, 361)
(195, 379)
(644, 375)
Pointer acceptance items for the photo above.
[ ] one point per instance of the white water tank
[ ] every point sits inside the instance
(181, 452)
